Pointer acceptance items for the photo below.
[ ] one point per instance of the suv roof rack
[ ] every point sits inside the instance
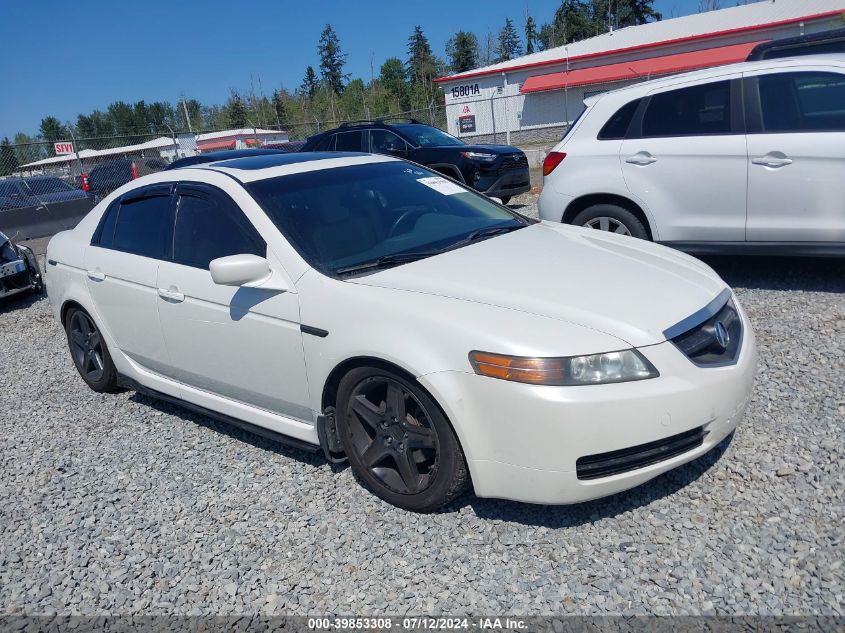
(379, 120)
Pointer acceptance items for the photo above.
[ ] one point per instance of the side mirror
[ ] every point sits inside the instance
(239, 270)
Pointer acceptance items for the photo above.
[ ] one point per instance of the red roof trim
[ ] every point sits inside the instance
(213, 145)
(616, 51)
(663, 65)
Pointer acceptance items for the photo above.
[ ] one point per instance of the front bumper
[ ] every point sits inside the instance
(511, 183)
(522, 441)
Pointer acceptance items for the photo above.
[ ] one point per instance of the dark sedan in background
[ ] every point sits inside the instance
(36, 206)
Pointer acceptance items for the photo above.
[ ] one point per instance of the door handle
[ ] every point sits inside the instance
(641, 158)
(171, 295)
(95, 275)
(772, 160)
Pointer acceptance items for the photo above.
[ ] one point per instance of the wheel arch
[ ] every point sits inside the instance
(583, 202)
(448, 169)
(332, 382)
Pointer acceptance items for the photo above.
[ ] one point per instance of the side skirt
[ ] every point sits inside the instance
(221, 417)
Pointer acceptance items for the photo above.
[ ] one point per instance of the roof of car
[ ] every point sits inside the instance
(260, 167)
(213, 157)
(836, 59)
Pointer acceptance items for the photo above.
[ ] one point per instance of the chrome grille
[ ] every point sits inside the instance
(715, 341)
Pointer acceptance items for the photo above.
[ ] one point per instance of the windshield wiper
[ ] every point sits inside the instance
(490, 231)
(386, 261)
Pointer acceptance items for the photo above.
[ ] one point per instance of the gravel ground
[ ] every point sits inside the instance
(119, 504)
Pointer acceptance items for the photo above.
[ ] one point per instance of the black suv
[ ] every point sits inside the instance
(499, 171)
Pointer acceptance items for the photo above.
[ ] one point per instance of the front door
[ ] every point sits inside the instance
(796, 157)
(686, 162)
(240, 343)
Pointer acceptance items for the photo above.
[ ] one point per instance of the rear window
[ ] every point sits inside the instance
(144, 227)
(617, 125)
(695, 111)
(348, 141)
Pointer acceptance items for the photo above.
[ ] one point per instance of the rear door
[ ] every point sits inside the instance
(796, 151)
(685, 158)
(240, 343)
(134, 236)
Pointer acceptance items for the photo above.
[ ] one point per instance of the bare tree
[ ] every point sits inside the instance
(709, 5)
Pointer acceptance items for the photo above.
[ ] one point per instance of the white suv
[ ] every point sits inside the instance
(744, 158)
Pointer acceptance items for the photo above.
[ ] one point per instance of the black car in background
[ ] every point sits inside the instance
(500, 171)
(108, 176)
(36, 206)
(832, 41)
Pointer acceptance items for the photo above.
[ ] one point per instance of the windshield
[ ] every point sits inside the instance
(351, 217)
(426, 136)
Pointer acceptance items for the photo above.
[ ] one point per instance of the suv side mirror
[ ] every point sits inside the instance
(396, 150)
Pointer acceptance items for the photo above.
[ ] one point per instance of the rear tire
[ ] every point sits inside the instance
(89, 351)
(613, 219)
(399, 443)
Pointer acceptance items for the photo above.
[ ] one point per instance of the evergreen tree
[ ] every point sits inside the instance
(52, 130)
(530, 35)
(462, 50)
(421, 62)
(236, 111)
(8, 159)
(509, 45)
(331, 60)
(393, 80)
(309, 83)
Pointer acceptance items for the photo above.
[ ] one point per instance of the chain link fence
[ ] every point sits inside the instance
(46, 186)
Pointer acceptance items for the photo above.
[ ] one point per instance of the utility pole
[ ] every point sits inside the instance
(187, 118)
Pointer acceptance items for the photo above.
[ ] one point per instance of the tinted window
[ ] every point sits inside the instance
(694, 111)
(427, 136)
(385, 141)
(348, 142)
(41, 186)
(212, 226)
(105, 234)
(617, 125)
(144, 226)
(348, 216)
(802, 102)
(9, 188)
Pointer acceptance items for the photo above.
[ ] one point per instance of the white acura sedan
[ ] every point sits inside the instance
(372, 308)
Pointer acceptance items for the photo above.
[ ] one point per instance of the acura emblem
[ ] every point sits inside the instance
(723, 337)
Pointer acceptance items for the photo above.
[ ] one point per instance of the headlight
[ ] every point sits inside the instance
(595, 369)
(479, 156)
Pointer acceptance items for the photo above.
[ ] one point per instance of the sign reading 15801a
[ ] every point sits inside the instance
(467, 90)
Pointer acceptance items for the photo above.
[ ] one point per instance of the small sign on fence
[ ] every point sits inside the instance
(63, 147)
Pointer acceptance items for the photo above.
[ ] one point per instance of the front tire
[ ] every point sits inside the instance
(89, 351)
(398, 441)
(613, 219)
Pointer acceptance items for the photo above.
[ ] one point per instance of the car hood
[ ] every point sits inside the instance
(627, 288)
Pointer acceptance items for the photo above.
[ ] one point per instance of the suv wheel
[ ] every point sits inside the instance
(398, 442)
(611, 218)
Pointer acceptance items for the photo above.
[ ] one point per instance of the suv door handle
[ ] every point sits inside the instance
(95, 275)
(171, 295)
(641, 158)
(772, 159)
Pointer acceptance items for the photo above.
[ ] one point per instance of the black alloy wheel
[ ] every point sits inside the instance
(89, 351)
(398, 441)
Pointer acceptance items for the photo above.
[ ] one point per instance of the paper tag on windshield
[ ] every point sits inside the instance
(442, 185)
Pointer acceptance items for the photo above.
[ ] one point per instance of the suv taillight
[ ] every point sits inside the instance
(552, 160)
(85, 186)
(134, 170)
